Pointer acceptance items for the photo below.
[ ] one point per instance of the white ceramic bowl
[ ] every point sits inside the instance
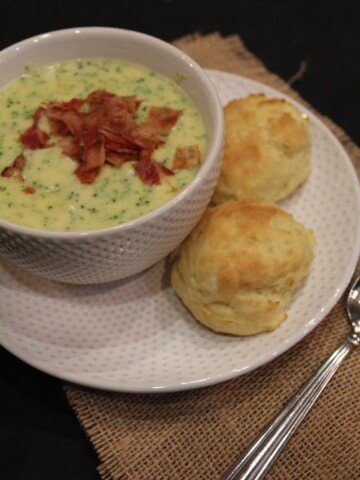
(117, 252)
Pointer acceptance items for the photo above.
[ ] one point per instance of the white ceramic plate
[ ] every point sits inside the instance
(135, 335)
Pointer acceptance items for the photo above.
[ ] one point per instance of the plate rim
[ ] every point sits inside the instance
(78, 379)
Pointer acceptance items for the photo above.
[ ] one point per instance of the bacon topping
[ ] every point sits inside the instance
(118, 158)
(94, 154)
(87, 176)
(102, 129)
(15, 169)
(38, 114)
(147, 172)
(34, 138)
(64, 121)
(163, 119)
(186, 157)
(70, 147)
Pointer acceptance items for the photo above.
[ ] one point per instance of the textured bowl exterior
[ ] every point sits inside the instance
(114, 255)
(118, 252)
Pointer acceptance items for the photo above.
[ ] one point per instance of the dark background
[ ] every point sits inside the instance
(40, 437)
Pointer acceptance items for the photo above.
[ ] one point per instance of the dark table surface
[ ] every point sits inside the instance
(40, 437)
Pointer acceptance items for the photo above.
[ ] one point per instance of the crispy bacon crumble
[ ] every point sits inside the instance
(186, 157)
(15, 169)
(102, 129)
(29, 190)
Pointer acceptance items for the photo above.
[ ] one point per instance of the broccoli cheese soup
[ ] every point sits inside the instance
(93, 143)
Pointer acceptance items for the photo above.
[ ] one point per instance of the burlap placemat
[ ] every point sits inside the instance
(194, 435)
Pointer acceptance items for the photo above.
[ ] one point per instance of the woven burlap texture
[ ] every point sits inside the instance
(194, 435)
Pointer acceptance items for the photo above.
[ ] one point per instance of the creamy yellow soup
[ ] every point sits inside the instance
(60, 201)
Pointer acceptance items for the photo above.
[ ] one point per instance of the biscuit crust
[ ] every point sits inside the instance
(267, 150)
(238, 268)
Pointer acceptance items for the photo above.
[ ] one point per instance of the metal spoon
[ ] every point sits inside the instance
(257, 460)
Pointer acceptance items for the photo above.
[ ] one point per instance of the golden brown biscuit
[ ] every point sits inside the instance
(238, 268)
(267, 150)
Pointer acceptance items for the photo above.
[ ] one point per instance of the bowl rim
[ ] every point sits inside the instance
(214, 147)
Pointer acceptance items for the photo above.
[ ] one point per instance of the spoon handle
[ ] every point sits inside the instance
(256, 461)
